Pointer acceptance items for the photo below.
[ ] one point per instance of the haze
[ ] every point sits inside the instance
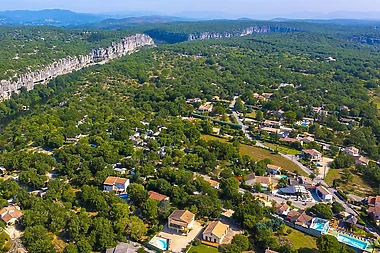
(212, 8)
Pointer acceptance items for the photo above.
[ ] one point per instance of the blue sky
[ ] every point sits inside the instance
(248, 8)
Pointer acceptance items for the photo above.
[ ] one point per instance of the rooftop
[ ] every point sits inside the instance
(216, 228)
(182, 215)
(157, 196)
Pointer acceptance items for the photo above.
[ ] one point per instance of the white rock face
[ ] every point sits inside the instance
(66, 65)
(240, 33)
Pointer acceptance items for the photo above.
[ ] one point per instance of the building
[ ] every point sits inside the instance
(298, 192)
(181, 221)
(214, 184)
(123, 248)
(71, 140)
(270, 130)
(301, 218)
(267, 183)
(352, 151)
(117, 184)
(289, 140)
(207, 107)
(273, 169)
(312, 154)
(215, 232)
(282, 209)
(323, 193)
(157, 196)
(361, 160)
(305, 180)
(193, 100)
(374, 207)
(270, 251)
(270, 123)
(10, 214)
(307, 139)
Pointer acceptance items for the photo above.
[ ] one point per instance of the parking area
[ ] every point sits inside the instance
(178, 242)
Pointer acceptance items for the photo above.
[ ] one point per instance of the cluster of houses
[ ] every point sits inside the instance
(10, 214)
(354, 152)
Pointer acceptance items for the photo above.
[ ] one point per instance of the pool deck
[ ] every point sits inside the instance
(370, 247)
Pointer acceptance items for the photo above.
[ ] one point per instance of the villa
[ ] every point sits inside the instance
(270, 123)
(181, 221)
(267, 183)
(207, 107)
(282, 209)
(215, 232)
(10, 214)
(273, 169)
(361, 160)
(324, 194)
(374, 207)
(352, 151)
(312, 154)
(214, 184)
(117, 184)
(157, 196)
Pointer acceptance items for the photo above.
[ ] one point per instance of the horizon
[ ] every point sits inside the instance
(258, 9)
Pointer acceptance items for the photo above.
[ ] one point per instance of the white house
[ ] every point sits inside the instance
(324, 194)
(181, 221)
(215, 232)
(117, 184)
(312, 154)
(352, 151)
(282, 209)
(10, 214)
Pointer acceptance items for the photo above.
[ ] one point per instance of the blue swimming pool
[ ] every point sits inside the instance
(162, 244)
(352, 242)
(320, 225)
(124, 196)
(304, 124)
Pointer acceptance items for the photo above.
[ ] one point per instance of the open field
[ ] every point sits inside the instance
(358, 186)
(282, 149)
(258, 154)
(302, 242)
(203, 249)
(251, 115)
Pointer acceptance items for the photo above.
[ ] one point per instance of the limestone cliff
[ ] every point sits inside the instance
(240, 33)
(66, 65)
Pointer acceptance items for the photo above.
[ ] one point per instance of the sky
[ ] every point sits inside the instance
(231, 8)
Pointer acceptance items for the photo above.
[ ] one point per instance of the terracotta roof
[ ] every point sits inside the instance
(250, 177)
(115, 180)
(323, 190)
(293, 213)
(371, 200)
(282, 207)
(273, 167)
(182, 215)
(263, 180)
(10, 212)
(361, 159)
(312, 152)
(374, 209)
(270, 129)
(157, 196)
(290, 140)
(352, 149)
(302, 218)
(213, 183)
(216, 228)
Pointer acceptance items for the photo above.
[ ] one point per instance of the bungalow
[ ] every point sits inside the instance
(157, 196)
(273, 169)
(215, 232)
(207, 107)
(347, 121)
(352, 151)
(307, 139)
(270, 130)
(117, 184)
(124, 247)
(214, 184)
(10, 214)
(361, 160)
(324, 194)
(289, 140)
(312, 154)
(301, 218)
(374, 207)
(267, 183)
(181, 221)
(271, 123)
(282, 209)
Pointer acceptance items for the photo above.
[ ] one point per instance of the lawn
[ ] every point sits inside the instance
(203, 249)
(251, 115)
(283, 149)
(302, 242)
(258, 154)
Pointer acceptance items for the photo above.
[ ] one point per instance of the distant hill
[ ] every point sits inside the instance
(47, 17)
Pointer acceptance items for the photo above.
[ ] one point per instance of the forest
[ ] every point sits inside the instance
(145, 93)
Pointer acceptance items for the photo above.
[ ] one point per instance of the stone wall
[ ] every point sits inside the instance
(66, 65)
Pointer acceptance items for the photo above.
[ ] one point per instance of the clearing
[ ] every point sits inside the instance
(203, 249)
(259, 154)
(302, 242)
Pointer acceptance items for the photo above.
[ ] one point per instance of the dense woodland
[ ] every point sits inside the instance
(109, 103)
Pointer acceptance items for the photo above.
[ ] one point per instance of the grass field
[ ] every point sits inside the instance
(302, 242)
(251, 115)
(282, 149)
(258, 154)
(358, 186)
(203, 249)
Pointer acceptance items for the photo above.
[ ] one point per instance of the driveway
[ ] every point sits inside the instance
(177, 242)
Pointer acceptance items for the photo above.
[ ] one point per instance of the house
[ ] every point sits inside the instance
(3, 171)
(273, 169)
(267, 183)
(301, 218)
(117, 184)
(124, 247)
(270, 130)
(361, 160)
(352, 151)
(10, 214)
(72, 140)
(181, 221)
(215, 232)
(157, 196)
(312, 154)
(271, 123)
(374, 207)
(329, 59)
(289, 140)
(207, 107)
(282, 85)
(214, 184)
(120, 170)
(305, 180)
(193, 100)
(347, 121)
(307, 139)
(282, 209)
(270, 251)
(323, 193)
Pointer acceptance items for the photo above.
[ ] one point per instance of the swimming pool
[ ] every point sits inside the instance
(352, 242)
(160, 243)
(320, 225)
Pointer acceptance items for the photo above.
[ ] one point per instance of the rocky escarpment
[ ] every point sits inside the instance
(240, 33)
(69, 64)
